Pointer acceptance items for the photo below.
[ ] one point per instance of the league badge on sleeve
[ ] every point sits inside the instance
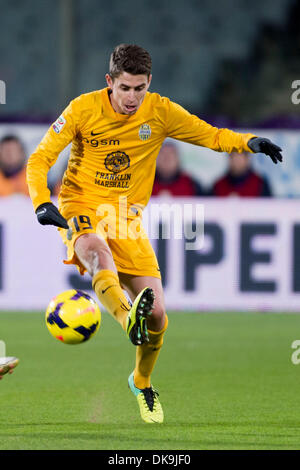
(59, 124)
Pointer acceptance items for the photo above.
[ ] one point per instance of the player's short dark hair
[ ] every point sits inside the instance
(129, 58)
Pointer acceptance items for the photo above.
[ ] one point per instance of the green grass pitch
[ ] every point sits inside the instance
(226, 381)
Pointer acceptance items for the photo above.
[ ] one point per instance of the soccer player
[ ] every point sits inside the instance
(116, 135)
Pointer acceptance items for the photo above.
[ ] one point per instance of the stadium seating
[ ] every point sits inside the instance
(267, 73)
(190, 42)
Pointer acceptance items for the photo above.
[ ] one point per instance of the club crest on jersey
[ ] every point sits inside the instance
(117, 161)
(145, 132)
(59, 124)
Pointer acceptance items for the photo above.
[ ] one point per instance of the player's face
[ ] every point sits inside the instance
(128, 91)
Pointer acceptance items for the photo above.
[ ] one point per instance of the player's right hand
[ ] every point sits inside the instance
(48, 214)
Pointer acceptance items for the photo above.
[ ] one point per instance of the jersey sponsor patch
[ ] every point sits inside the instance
(144, 132)
(59, 124)
(117, 161)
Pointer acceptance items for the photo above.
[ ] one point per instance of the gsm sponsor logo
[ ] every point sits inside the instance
(102, 142)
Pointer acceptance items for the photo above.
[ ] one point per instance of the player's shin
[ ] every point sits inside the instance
(108, 290)
(146, 357)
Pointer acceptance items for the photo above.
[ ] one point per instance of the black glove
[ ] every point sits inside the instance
(48, 214)
(263, 145)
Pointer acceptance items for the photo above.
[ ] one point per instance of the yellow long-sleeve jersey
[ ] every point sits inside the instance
(114, 155)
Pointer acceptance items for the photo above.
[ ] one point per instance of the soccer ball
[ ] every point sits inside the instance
(73, 317)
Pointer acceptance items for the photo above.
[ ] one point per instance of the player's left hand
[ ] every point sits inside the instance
(264, 145)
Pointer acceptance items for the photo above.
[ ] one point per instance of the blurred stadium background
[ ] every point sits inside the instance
(235, 64)
(234, 70)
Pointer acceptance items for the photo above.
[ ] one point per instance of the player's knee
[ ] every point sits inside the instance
(94, 253)
(158, 317)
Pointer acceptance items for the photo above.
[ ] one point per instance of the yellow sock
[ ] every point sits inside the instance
(108, 290)
(146, 357)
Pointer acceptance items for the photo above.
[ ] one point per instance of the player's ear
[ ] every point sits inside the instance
(149, 80)
(109, 80)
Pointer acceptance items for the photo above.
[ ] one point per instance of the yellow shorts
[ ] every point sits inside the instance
(123, 232)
